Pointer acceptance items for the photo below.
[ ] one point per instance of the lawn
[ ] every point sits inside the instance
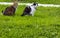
(39, 1)
(44, 24)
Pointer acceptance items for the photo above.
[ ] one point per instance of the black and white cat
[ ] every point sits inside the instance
(29, 10)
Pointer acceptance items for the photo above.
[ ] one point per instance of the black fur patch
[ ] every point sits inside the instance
(26, 11)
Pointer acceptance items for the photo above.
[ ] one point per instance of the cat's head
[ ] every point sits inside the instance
(35, 4)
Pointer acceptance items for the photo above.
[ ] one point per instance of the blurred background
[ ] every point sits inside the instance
(39, 1)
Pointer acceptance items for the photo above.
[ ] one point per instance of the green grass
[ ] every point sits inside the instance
(39, 1)
(45, 24)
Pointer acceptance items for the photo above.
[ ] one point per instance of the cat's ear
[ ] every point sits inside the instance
(35, 3)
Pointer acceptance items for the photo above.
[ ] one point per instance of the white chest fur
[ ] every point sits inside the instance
(32, 10)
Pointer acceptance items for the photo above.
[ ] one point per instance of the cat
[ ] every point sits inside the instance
(10, 10)
(29, 10)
